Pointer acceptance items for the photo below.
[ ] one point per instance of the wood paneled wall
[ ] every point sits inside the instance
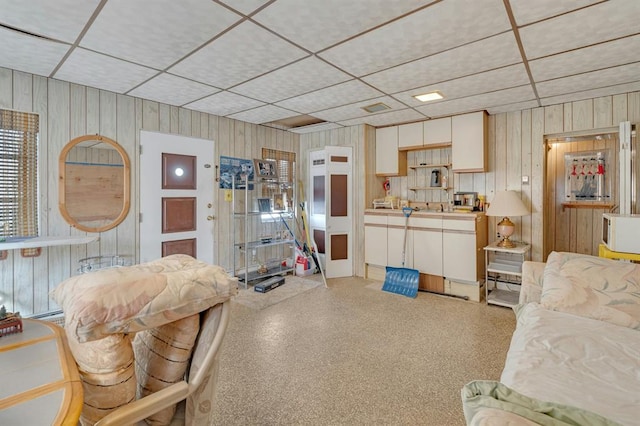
(69, 110)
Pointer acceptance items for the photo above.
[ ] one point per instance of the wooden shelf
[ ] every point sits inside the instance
(430, 166)
(586, 205)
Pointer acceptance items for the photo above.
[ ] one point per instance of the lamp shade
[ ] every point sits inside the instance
(505, 204)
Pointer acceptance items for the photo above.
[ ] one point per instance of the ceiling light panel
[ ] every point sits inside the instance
(224, 103)
(319, 24)
(17, 52)
(237, 56)
(355, 110)
(493, 52)
(340, 94)
(172, 90)
(263, 114)
(61, 19)
(434, 29)
(168, 31)
(478, 102)
(527, 11)
(601, 22)
(304, 76)
(386, 118)
(590, 94)
(618, 52)
(103, 72)
(245, 7)
(501, 78)
(590, 80)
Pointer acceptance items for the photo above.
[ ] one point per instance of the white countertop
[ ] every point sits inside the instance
(425, 213)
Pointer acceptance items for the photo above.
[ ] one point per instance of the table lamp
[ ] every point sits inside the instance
(505, 204)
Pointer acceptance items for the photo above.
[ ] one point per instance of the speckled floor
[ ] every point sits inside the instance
(351, 355)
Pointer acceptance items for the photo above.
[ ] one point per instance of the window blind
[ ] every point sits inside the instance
(285, 162)
(18, 173)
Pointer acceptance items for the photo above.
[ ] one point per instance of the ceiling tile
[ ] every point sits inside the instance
(61, 19)
(16, 52)
(386, 118)
(154, 33)
(478, 102)
(293, 80)
(595, 24)
(321, 23)
(527, 11)
(315, 128)
(618, 52)
(103, 72)
(237, 56)
(246, 7)
(589, 94)
(172, 90)
(263, 114)
(518, 106)
(590, 80)
(340, 94)
(434, 29)
(501, 78)
(224, 103)
(475, 57)
(355, 110)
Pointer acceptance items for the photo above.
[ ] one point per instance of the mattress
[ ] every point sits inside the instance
(567, 359)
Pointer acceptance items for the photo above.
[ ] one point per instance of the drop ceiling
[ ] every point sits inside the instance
(263, 61)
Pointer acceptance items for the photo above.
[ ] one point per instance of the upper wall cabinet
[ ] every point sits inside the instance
(469, 142)
(389, 161)
(425, 134)
(410, 136)
(437, 132)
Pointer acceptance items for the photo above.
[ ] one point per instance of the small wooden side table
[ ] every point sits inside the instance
(40, 380)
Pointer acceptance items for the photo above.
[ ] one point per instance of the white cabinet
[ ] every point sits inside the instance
(462, 243)
(437, 132)
(410, 136)
(389, 161)
(375, 237)
(469, 142)
(427, 245)
(395, 240)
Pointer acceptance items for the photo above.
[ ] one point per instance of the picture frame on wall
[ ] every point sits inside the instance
(280, 202)
(264, 205)
(265, 169)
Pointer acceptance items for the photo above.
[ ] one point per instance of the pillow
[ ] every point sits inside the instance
(107, 373)
(593, 287)
(139, 297)
(162, 356)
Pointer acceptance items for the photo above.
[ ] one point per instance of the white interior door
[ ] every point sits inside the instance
(339, 212)
(176, 196)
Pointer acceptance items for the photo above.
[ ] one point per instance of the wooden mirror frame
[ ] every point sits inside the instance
(61, 183)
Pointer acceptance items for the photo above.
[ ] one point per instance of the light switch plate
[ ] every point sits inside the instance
(525, 180)
(227, 195)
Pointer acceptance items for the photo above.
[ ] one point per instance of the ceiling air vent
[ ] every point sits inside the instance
(376, 107)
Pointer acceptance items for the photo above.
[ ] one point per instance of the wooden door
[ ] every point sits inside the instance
(176, 196)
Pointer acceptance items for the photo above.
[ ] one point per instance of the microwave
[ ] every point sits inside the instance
(621, 232)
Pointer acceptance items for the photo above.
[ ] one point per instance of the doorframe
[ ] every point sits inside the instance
(547, 140)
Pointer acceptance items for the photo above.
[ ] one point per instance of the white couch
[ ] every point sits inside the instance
(574, 357)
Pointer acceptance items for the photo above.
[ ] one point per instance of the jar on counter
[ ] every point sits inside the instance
(481, 205)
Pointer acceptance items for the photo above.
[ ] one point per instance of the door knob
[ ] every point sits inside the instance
(209, 217)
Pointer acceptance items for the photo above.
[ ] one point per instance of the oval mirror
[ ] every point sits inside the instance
(94, 183)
